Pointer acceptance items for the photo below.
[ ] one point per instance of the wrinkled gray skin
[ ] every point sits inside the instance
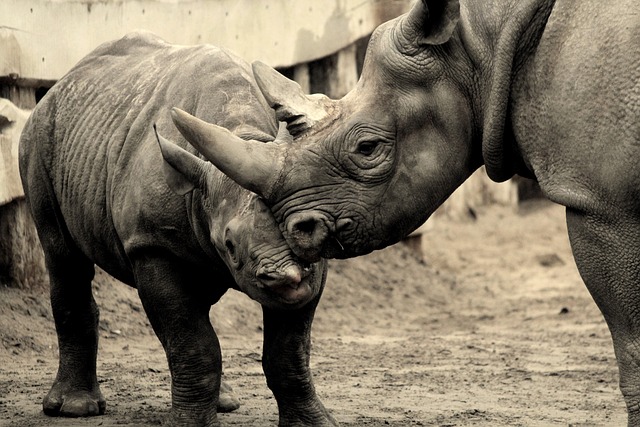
(104, 190)
(544, 89)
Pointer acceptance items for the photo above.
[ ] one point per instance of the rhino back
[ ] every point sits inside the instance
(95, 139)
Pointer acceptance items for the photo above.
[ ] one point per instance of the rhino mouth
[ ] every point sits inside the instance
(292, 294)
(291, 286)
(333, 248)
(339, 246)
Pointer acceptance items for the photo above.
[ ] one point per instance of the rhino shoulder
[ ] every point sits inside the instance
(131, 43)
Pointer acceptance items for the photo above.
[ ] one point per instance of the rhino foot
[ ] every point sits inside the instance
(63, 401)
(228, 401)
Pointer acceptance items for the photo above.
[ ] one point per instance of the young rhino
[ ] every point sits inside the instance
(96, 182)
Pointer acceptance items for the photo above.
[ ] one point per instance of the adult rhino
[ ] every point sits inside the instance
(104, 188)
(545, 89)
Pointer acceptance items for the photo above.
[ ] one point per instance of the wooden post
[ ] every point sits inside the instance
(336, 74)
(301, 76)
(21, 257)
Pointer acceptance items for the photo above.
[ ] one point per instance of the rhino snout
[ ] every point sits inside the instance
(307, 233)
(274, 279)
(312, 235)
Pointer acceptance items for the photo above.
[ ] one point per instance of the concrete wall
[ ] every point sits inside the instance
(42, 39)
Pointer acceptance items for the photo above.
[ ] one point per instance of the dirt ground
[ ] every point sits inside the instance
(493, 327)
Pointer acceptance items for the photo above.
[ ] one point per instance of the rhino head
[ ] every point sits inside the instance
(244, 233)
(261, 262)
(367, 169)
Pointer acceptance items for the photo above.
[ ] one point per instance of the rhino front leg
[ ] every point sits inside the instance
(227, 400)
(178, 308)
(607, 252)
(286, 352)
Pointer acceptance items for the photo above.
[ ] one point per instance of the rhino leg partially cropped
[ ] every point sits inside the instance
(607, 253)
(227, 399)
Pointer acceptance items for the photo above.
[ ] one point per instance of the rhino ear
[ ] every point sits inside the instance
(182, 170)
(431, 22)
(285, 96)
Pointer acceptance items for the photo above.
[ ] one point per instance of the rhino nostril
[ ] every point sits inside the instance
(310, 228)
(307, 233)
(270, 280)
(307, 227)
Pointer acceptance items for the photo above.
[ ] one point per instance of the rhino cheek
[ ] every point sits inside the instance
(413, 195)
(245, 279)
(376, 217)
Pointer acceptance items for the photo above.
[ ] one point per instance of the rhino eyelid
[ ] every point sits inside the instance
(368, 147)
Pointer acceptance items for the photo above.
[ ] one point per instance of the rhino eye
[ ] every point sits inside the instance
(366, 148)
(230, 247)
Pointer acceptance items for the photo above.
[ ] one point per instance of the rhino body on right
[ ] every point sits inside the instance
(540, 88)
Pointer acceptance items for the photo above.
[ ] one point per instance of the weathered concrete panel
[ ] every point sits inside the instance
(12, 120)
(52, 35)
(21, 257)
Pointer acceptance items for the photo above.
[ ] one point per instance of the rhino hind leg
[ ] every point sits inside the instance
(75, 392)
(607, 252)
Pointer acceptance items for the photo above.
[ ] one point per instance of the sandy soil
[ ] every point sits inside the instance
(493, 327)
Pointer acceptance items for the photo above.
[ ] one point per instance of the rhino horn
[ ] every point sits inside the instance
(285, 96)
(431, 22)
(182, 170)
(252, 164)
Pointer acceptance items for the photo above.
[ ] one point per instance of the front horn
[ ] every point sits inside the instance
(252, 164)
